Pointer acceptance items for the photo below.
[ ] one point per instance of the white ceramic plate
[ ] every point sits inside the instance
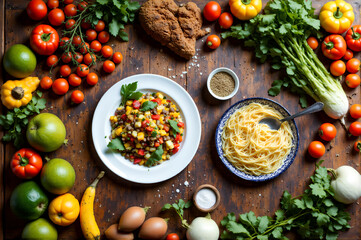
(122, 167)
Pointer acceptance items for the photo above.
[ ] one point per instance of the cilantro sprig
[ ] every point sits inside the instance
(129, 92)
(315, 214)
(116, 144)
(16, 120)
(179, 208)
(174, 126)
(154, 157)
(148, 105)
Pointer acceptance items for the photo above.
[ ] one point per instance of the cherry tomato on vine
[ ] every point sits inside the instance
(56, 17)
(355, 111)
(212, 11)
(85, 25)
(327, 131)
(77, 96)
(117, 57)
(82, 70)
(225, 20)
(63, 41)
(70, 10)
(213, 41)
(88, 58)
(316, 149)
(91, 34)
(357, 146)
(76, 40)
(337, 68)
(108, 66)
(107, 51)
(92, 78)
(348, 55)
(312, 42)
(96, 46)
(353, 65)
(100, 26)
(66, 57)
(53, 4)
(74, 80)
(46, 82)
(355, 129)
(78, 57)
(69, 24)
(52, 60)
(65, 70)
(36, 10)
(352, 80)
(68, 1)
(60, 86)
(84, 48)
(172, 236)
(103, 37)
(82, 6)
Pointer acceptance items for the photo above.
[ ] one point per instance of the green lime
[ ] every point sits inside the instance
(58, 176)
(39, 229)
(28, 201)
(19, 61)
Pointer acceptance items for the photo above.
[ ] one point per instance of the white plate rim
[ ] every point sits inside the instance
(123, 167)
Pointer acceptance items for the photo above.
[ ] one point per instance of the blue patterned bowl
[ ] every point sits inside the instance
(289, 159)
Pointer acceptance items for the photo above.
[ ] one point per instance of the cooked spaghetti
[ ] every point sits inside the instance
(254, 148)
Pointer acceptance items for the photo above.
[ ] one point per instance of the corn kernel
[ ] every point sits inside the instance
(129, 103)
(147, 156)
(147, 148)
(147, 113)
(118, 131)
(164, 101)
(120, 108)
(181, 130)
(163, 156)
(159, 95)
(140, 117)
(137, 124)
(140, 136)
(152, 149)
(134, 134)
(141, 162)
(162, 132)
(138, 145)
(113, 119)
(169, 144)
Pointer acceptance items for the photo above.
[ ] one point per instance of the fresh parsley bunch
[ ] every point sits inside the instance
(313, 215)
(16, 120)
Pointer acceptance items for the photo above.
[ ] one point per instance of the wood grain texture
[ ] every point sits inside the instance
(144, 55)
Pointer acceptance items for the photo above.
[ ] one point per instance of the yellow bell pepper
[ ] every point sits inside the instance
(18, 93)
(336, 16)
(64, 210)
(245, 9)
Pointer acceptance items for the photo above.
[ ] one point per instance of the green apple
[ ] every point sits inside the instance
(40, 229)
(46, 132)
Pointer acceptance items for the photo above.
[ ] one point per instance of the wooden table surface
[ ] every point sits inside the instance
(144, 55)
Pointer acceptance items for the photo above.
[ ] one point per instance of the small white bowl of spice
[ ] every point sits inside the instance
(222, 83)
(206, 198)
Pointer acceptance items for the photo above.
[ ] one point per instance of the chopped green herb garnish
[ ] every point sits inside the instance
(155, 157)
(148, 105)
(116, 144)
(174, 125)
(128, 92)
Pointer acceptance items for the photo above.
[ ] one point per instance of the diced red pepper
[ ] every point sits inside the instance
(161, 140)
(168, 100)
(137, 160)
(131, 139)
(123, 116)
(156, 117)
(132, 156)
(180, 124)
(176, 145)
(156, 144)
(177, 137)
(141, 152)
(145, 123)
(149, 129)
(175, 150)
(166, 128)
(136, 104)
(157, 100)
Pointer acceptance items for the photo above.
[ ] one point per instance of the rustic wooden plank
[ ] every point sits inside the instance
(2, 147)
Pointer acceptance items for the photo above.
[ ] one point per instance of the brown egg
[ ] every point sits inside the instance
(132, 219)
(153, 228)
(112, 233)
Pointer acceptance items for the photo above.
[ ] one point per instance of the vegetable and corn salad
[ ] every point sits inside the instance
(148, 130)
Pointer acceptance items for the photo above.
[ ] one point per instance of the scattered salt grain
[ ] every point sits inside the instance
(186, 183)
(177, 190)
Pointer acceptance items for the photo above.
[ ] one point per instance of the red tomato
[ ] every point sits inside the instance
(312, 42)
(357, 146)
(44, 40)
(77, 96)
(103, 37)
(100, 26)
(82, 6)
(334, 47)
(70, 10)
(212, 11)
(78, 57)
(348, 55)
(213, 41)
(66, 57)
(53, 4)
(82, 70)
(355, 111)
(69, 24)
(68, 1)
(63, 41)
(92, 79)
(107, 51)
(355, 129)
(46, 82)
(108, 66)
(327, 131)
(95, 46)
(225, 20)
(65, 70)
(117, 57)
(36, 10)
(91, 34)
(89, 58)
(353, 65)
(316, 149)
(338, 68)
(56, 17)
(352, 80)
(84, 48)
(52, 60)
(60, 86)
(136, 104)
(74, 80)
(172, 236)
(26, 163)
(76, 40)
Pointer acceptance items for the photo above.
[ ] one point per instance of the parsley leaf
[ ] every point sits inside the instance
(155, 157)
(148, 105)
(116, 144)
(174, 125)
(128, 92)
(154, 134)
(179, 208)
